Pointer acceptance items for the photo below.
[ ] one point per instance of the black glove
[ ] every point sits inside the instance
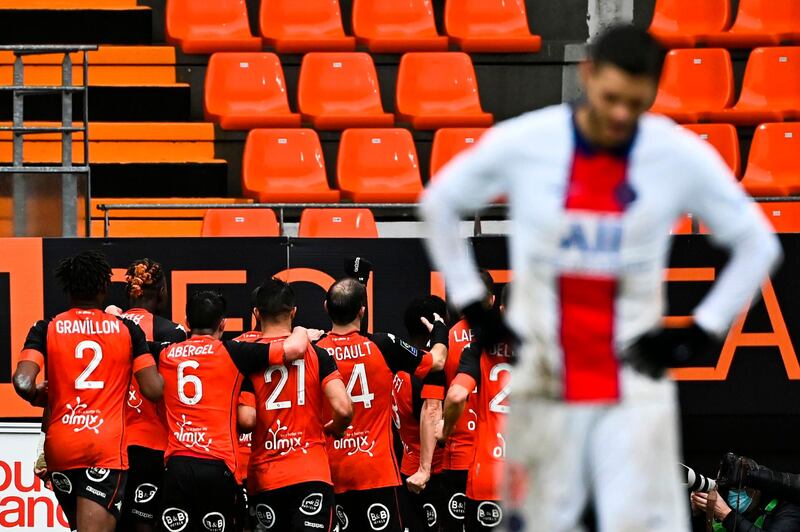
(656, 351)
(486, 323)
(440, 334)
(358, 268)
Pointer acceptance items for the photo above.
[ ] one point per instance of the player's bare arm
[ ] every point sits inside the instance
(245, 418)
(454, 405)
(151, 383)
(341, 408)
(429, 417)
(295, 346)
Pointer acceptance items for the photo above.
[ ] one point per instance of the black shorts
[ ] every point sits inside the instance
(483, 515)
(106, 487)
(366, 510)
(454, 500)
(243, 517)
(198, 495)
(304, 507)
(422, 510)
(145, 479)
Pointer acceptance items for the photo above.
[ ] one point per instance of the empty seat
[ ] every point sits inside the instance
(772, 168)
(439, 90)
(246, 91)
(285, 166)
(677, 23)
(207, 27)
(240, 222)
(784, 216)
(490, 26)
(387, 26)
(449, 142)
(340, 90)
(338, 223)
(694, 82)
(299, 26)
(379, 165)
(770, 90)
(724, 138)
(759, 23)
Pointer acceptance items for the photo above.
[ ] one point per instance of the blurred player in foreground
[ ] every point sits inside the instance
(594, 190)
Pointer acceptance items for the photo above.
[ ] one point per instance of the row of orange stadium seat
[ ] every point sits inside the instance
(319, 223)
(298, 26)
(686, 23)
(340, 90)
(374, 165)
(697, 85)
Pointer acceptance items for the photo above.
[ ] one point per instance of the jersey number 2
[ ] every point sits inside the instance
(496, 404)
(272, 404)
(83, 382)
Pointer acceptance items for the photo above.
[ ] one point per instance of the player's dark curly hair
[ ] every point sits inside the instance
(143, 275)
(84, 275)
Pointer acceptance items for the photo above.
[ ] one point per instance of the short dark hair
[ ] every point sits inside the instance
(274, 298)
(85, 275)
(205, 310)
(629, 48)
(422, 307)
(344, 300)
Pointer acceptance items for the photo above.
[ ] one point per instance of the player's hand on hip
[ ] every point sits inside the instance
(331, 431)
(653, 353)
(417, 482)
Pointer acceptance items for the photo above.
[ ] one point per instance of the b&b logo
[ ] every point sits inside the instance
(145, 493)
(214, 522)
(344, 522)
(430, 514)
(489, 514)
(175, 519)
(312, 504)
(457, 506)
(265, 515)
(61, 482)
(378, 516)
(97, 474)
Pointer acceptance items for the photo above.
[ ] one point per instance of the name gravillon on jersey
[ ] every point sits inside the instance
(88, 327)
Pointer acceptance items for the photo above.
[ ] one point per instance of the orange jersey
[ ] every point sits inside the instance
(364, 458)
(288, 441)
(145, 420)
(491, 373)
(460, 447)
(88, 357)
(246, 398)
(202, 380)
(408, 394)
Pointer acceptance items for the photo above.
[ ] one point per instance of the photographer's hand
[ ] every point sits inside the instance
(721, 508)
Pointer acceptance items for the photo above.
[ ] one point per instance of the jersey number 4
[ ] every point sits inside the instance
(359, 376)
(83, 382)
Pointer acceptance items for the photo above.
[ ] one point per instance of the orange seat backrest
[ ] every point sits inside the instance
(245, 80)
(277, 158)
(437, 82)
(240, 222)
(724, 138)
(280, 19)
(772, 78)
(376, 18)
(696, 79)
(338, 223)
(449, 142)
(338, 83)
(503, 18)
(690, 16)
(224, 17)
(784, 216)
(767, 15)
(378, 159)
(773, 156)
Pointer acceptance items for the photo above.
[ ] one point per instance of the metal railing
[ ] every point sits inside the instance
(67, 169)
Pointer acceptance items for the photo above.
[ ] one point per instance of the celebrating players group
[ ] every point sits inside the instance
(147, 427)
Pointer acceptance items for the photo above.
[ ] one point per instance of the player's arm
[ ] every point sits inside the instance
(402, 356)
(31, 362)
(432, 393)
(246, 409)
(296, 345)
(465, 381)
(335, 393)
(145, 371)
(251, 358)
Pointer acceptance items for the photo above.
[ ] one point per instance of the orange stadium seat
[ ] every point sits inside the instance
(285, 166)
(770, 90)
(387, 26)
(772, 168)
(784, 216)
(246, 91)
(340, 90)
(379, 165)
(694, 82)
(449, 142)
(724, 138)
(677, 23)
(490, 26)
(292, 26)
(759, 23)
(437, 90)
(207, 27)
(240, 222)
(338, 223)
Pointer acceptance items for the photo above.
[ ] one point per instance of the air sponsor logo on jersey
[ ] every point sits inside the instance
(87, 327)
(246, 439)
(214, 522)
(97, 474)
(489, 514)
(457, 505)
(341, 517)
(280, 439)
(145, 493)
(81, 418)
(61, 482)
(378, 516)
(134, 401)
(175, 519)
(265, 515)
(350, 352)
(355, 442)
(430, 514)
(312, 504)
(192, 436)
